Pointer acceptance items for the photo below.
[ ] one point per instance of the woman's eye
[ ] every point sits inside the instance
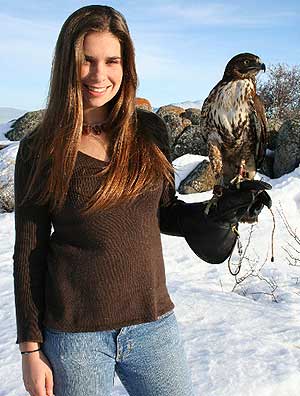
(86, 59)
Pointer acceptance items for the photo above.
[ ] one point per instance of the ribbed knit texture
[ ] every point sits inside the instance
(100, 272)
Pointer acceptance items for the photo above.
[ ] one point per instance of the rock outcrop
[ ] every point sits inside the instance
(25, 124)
(191, 141)
(143, 103)
(194, 115)
(186, 136)
(199, 180)
(7, 166)
(287, 150)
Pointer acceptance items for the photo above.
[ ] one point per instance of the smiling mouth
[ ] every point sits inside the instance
(96, 89)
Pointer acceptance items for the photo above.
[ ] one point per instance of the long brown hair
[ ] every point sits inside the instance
(136, 162)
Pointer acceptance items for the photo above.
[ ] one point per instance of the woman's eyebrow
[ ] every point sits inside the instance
(108, 57)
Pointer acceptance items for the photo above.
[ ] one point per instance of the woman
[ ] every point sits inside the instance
(91, 297)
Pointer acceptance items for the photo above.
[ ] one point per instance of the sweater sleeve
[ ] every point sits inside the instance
(32, 227)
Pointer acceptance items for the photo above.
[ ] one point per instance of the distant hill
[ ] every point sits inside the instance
(196, 104)
(9, 113)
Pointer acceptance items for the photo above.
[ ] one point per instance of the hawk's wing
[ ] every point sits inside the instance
(259, 126)
(210, 131)
(206, 109)
(203, 118)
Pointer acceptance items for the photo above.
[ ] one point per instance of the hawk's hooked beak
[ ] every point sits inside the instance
(263, 67)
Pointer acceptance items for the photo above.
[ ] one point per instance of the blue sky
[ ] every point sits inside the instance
(181, 47)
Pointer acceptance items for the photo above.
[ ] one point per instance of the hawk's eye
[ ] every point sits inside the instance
(246, 62)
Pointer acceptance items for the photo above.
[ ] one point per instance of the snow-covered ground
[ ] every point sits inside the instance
(244, 342)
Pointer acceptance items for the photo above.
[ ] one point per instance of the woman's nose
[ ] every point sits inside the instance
(99, 72)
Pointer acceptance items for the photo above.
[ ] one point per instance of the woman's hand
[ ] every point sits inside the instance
(37, 374)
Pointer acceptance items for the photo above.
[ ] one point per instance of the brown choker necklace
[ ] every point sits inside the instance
(96, 129)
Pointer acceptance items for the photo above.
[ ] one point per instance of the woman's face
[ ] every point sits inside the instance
(101, 71)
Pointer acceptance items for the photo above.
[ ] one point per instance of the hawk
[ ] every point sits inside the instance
(233, 116)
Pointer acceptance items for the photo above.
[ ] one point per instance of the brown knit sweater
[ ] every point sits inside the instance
(103, 271)
(97, 273)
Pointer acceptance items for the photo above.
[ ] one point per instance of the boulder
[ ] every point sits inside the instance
(186, 136)
(143, 103)
(175, 125)
(175, 120)
(287, 151)
(162, 111)
(199, 180)
(267, 165)
(25, 124)
(191, 141)
(7, 167)
(274, 126)
(7, 197)
(194, 115)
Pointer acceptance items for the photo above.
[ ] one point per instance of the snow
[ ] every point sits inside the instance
(196, 104)
(239, 343)
(7, 162)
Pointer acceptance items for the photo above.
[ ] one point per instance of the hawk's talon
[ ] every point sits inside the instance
(210, 203)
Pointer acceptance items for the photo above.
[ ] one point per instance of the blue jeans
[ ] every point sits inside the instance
(149, 359)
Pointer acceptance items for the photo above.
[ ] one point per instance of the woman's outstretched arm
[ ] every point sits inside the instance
(33, 227)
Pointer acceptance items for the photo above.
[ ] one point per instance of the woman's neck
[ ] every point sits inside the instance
(94, 116)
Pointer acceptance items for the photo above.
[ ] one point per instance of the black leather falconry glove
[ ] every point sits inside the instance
(235, 203)
(210, 234)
